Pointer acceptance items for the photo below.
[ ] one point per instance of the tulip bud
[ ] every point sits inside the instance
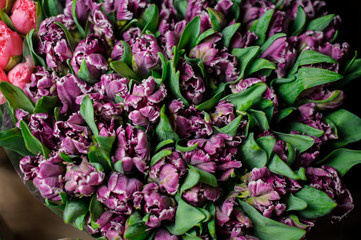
(20, 74)
(23, 15)
(2, 4)
(3, 77)
(11, 45)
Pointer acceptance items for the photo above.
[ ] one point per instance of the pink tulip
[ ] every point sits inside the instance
(20, 74)
(23, 15)
(11, 45)
(3, 77)
(2, 4)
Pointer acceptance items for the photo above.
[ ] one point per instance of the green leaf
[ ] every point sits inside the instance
(67, 158)
(319, 203)
(353, 71)
(334, 98)
(294, 203)
(12, 139)
(348, 127)
(190, 34)
(244, 100)
(181, 7)
(342, 160)
(270, 41)
(6, 19)
(306, 78)
(244, 56)
(127, 54)
(204, 35)
(32, 143)
(228, 33)
(173, 84)
(123, 69)
(304, 128)
(206, 177)
(105, 143)
(309, 57)
(186, 218)
(16, 97)
(159, 155)
(68, 36)
(52, 7)
(136, 229)
(28, 50)
(87, 112)
(96, 209)
(231, 128)
(258, 65)
(267, 143)
(300, 142)
(268, 229)
(164, 130)
(299, 23)
(319, 24)
(85, 74)
(262, 26)
(149, 19)
(185, 149)
(282, 114)
(12, 63)
(191, 180)
(97, 156)
(46, 104)
(212, 222)
(278, 166)
(163, 144)
(215, 19)
(260, 119)
(164, 66)
(75, 212)
(251, 154)
(210, 103)
(79, 27)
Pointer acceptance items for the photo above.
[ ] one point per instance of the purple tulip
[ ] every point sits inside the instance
(163, 234)
(83, 179)
(112, 85)
(298, 223)
(159, 207)
(68, 89)
(41, 126)
(145, 101)
(73, 135)
(53, 42)
(217, 62)
(189, 121)
(49, 180)
(253, 10)
(101, 25)
(172, 37)
(133, 149)
(201, 193)
(223, 114)
(93, 50)
(131, 35)
(145, 57)
(224, 6)
(167, 17)
(198, 8)
(29, 166)
(117, 195)
(191, 84)
(125, 9)
(83, 9)
(232, 222)
(111, 226)
(167, 173)
(42, 83)
(118, 51)
(326, 179)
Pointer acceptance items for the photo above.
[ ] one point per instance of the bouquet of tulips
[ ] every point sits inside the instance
(180, 119)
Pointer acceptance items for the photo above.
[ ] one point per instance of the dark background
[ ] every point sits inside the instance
(30, 220)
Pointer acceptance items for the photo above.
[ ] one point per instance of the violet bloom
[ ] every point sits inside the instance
(223, 114)
(49, 180)
(117, 194)
(327, 180)
(82, 9)
(41, 126)
(133, 149)
(131, 35)
(167, 17)
(113, 86)
(163, 234)
(198, 8)
(73, 134)
(29, 166)
(101, 25)
(145, 101)
(232, 222)
(118, 51)
(282, 53)
(145, 57)
(172, 37)
(167, 173)
(253, 10)
(68, 89)
(53, 42)
(218, 63)
(111, 226)
(201, 193)
(297, 222)
(42, 83)
(159, 207)
(125, 9)
(83, 179)
(92, 50)
(192, 86)
(188, 121)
